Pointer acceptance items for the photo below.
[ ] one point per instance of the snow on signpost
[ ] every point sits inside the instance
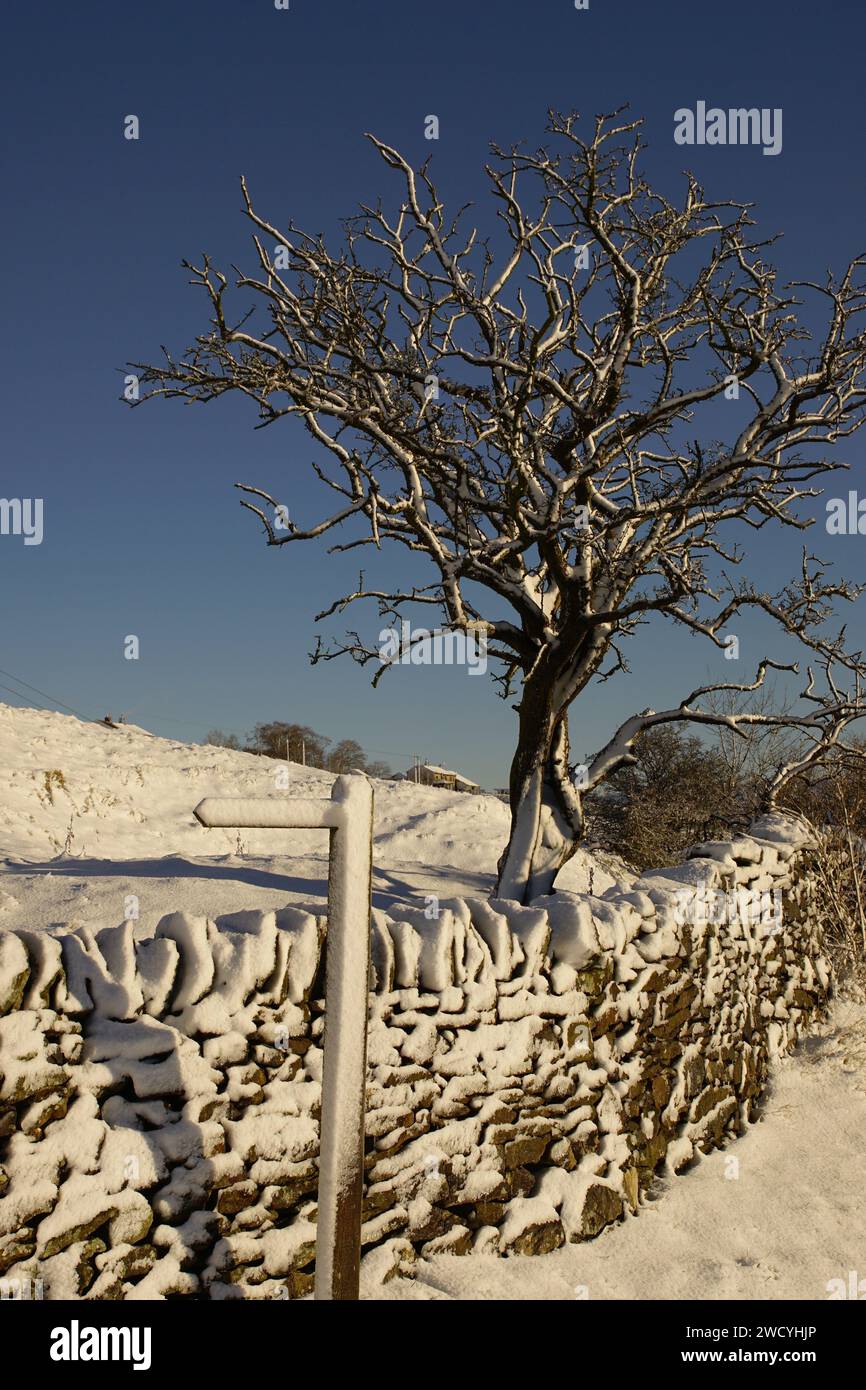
(348, 816)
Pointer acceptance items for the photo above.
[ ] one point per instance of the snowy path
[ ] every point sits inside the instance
(794, 1219)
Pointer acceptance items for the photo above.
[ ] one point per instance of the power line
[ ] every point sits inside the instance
(170, 719)
(197, 723)
(165, 718)
(19, 696)
(44, 694)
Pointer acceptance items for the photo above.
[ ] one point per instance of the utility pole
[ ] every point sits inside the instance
(304, 752)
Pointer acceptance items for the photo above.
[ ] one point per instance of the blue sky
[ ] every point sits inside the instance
(143, 532)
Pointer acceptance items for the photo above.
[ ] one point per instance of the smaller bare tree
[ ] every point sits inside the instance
(218, 738)
(679, 790)
(832, 798)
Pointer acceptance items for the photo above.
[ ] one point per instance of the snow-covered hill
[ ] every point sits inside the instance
(90, 814)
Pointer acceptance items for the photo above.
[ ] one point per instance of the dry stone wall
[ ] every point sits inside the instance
(530, 1069)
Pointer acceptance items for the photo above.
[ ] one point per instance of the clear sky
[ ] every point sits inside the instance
(143, 533)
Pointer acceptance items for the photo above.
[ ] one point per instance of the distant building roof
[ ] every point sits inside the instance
(434, 770)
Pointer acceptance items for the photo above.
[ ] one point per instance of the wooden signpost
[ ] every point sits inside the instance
(348, 816)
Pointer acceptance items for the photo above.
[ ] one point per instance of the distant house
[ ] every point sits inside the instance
(463, 784)
(429, 775)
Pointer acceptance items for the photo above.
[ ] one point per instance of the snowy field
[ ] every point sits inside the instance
(91, 815)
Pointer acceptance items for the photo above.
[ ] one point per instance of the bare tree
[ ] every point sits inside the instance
(832, 799)
(753, 754)
(520, 411)
(218, 738)
(678, 791)
(347, 756)
(296, 742)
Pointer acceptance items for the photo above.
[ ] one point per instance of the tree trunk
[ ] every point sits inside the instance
(546, 815)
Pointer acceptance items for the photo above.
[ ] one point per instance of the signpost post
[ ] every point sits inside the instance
(348, 816)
